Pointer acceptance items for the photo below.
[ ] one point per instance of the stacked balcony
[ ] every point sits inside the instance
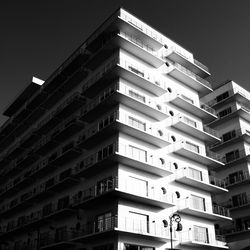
(192, 152)
(189, 126)
(119, 121)
(119, 93)
(203, 209)
(203, 111)
(203, 181)
(203, 240)
(119, 152)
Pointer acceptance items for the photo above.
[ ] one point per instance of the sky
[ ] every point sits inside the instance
(36, 36)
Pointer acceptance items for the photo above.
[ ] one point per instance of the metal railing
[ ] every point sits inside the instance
(201, 65)
(241, 177)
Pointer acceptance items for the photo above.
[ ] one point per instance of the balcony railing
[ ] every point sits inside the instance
(202, 237)
(192, 75)
(200, 176)
(237, 155)
(240, 178)
(204, 206)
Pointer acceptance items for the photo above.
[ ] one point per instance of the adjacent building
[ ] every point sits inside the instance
(232, 104)
(105, 152)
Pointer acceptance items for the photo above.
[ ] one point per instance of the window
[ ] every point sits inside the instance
(139, 222)
(198, 202)
(235, 177)
(201, 234)
(136, 70)
(233, 155)
(225, 112)
(137, 123)
(138, 186)
(239, 199)
(190, 122)
(105, 152)
(229, 135)
(137, 153)
(195, 174)
(104, 222)
(104, 185)
(222, 96)
(137, 96)
(61, 234)
(192, 147)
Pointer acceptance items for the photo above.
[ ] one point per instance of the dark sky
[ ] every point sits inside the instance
(37, 35)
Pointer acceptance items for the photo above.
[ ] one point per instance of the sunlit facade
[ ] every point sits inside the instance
(112, 144)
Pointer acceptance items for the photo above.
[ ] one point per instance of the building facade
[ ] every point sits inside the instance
(105, 152)
(232, 104)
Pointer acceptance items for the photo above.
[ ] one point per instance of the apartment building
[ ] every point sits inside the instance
(232, 105)
(111, 152)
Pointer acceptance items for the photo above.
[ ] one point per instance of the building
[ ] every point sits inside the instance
(105, 152)
(232, 104)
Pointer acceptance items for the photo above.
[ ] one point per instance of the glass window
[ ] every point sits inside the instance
(192, 147)
(187, 99)
(138, 153)
(137, 96)
(198, 202)
(190, 122)
(239, 199)
(233, 155)
(104, 222)
(201, 234)
(229, 135)
(139, 222)
(137, 123)
(225, 112)
(138, 186)
(195, 174)
(222, 96)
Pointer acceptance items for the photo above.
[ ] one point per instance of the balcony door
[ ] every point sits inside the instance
(137, 186)
(138, 222)
(201, 234)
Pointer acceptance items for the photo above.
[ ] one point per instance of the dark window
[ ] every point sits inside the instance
(225, 112)
(222, 96)
(233, 155)
(229, 135)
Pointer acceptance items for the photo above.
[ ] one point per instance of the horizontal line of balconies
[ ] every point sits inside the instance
(238, 95)
(239, 134)
(190, 79)
(116, 66)
(240, 111)
(119, 121)
(71, 104)
(204, 112)
(190, 127)
(191, 64)
(203, 210)
(119, 93)
(52, 185)
(114, 224)
(237, 232)
(118, 187)
(237, 157)
(193, 152)
(203, 181)
(241, 179)
(202, 240)
(243, 203)
(119, 152)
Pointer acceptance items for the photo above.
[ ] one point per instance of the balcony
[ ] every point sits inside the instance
(154, 231)
(237, 94)
(116, 66)
(119, 93)
(189, 126)
(115, 187)
(203, 112)
(191, 80)
(45, 145)
(185, 149)
(236, 157)
(64, 154)
(235, 112)
(119, 121)
(70, 105)
(67, 128)
(235, 181)
(240, 204)
(202, 240)
(239, 135)
(47, 124)
(129, 24)
(205, 210)
(203, 181)
(191, 64)
(118, 152)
